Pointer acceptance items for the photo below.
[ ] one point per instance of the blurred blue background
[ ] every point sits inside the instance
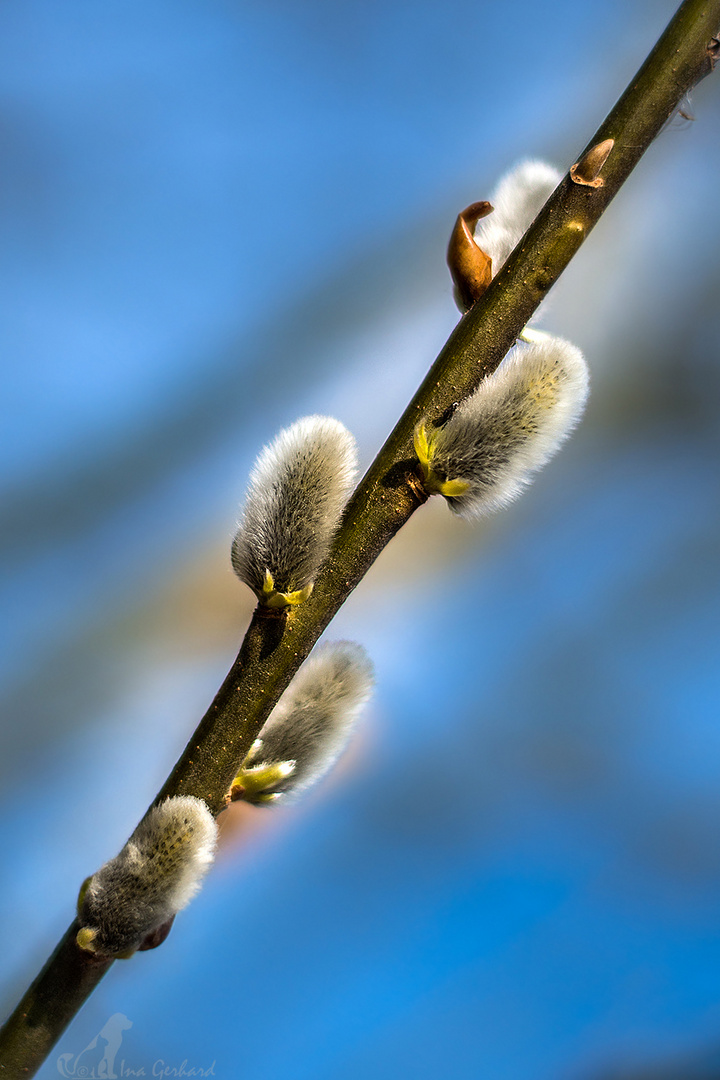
(217, 217)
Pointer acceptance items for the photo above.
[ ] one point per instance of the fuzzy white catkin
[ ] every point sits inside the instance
(311, 724)
(298, 490)
(517, 201)
(512, 424)
(155, 875)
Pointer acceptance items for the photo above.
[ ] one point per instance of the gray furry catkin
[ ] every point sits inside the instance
(517, 200)
(309, 727)
(298, 490)
(495, 441)
(155, 875)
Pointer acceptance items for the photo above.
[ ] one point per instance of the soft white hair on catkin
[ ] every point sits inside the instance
(155, 875)
(312, 722)
(298, 490)
(517, 200)
(513, 423)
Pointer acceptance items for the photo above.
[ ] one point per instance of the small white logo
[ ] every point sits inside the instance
(97, 1060)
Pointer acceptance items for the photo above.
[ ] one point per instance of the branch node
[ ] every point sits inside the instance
(417, 487)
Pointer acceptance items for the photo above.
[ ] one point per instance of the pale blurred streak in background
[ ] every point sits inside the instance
(218, 217)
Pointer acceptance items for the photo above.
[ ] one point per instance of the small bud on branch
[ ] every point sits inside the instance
(586, 171)
(470, 267)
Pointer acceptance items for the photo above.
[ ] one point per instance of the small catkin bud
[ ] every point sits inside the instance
(488, 450)
(517, 201)
(309, 727)
(155, 875)
(298, 490)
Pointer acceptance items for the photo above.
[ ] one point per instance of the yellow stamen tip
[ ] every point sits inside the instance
(422, 445)
(452, 488)
(274, 599)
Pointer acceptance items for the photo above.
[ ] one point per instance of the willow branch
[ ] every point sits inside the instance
(276, 644)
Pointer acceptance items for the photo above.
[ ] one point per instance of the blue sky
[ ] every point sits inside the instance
(217, 218)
